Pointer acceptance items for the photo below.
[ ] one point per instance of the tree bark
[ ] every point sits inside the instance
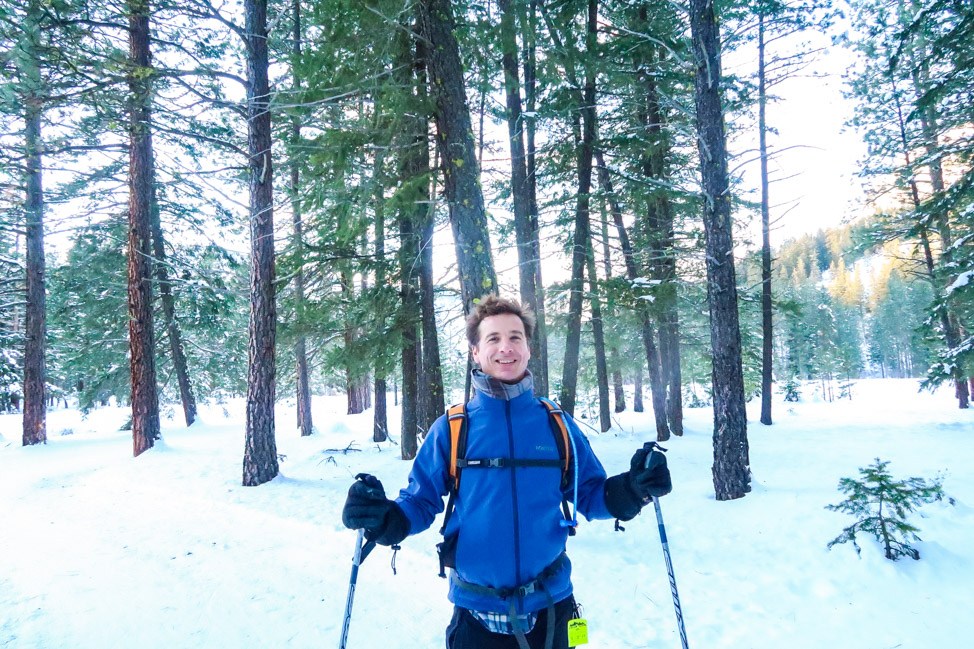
(659, 235)
(731, 470)
(432, 394)
(176, 349)
(461, 174)
(529, 27)
(303, 386)
(581, 240)
(260, 457)
(637, 399)
(35, 329)
(413, 171)
(529, 263)
(380, 419)
(656, 385)
(598, 335)
(766, 305)
(619, 393)
(380, 423)
(145, 399)
(410, 343)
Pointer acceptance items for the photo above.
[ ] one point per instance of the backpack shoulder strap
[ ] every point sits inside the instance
(559, 429)
(457, 418)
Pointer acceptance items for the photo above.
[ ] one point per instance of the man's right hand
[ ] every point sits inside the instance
(368, 508)
(648, 474)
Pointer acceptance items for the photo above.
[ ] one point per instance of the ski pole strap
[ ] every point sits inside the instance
(367, 547)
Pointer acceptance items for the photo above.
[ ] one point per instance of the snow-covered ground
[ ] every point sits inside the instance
(100, 550)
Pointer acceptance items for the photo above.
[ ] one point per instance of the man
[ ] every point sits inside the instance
(510, 580)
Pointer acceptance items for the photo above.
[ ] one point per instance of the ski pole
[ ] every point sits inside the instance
(360, 553)
(666, 553)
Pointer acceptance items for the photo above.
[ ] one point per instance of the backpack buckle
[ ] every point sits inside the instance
(527, 589)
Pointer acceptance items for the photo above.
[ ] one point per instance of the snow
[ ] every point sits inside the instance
(962, 280)
(100, 550)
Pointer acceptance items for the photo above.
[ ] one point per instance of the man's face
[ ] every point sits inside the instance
(503, 351)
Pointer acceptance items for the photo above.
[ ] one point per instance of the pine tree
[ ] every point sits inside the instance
(145, 396)
(881, 505)
(260, 455)
(913, 94)
(732, 474)
(461, 173)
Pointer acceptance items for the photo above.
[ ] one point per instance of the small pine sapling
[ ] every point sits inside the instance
(881, 505)
(792, 390)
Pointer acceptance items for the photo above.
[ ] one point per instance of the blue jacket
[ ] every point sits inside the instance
(507, 519)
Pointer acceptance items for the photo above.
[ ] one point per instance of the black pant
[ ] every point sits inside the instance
(467, 632)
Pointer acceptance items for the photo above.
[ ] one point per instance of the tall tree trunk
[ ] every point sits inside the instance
(145, 399)
(731, 470)
(461, 173)
(936, 175)
(658, 227)
(355, 399)
(380, 423)
(413, 171)
(581, 240)
(929, 125)
(766, 306)
(529, 27)
(34, 408)
(169, 313)
(303, 386)
(431, 391)
(598, 335)
(669, 326)
(637, 399)
(260, 456)
(410, 343)
(615, 362)
(380, 418)
(527, 252)
(656, 386)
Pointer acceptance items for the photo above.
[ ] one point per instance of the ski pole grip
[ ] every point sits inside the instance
(653, 457)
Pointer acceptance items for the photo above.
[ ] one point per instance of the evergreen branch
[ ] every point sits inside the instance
(172, 73)
(203, 138)
(215, 14)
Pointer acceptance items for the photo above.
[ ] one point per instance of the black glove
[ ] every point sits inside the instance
(367, 507)
(626, 493)
(649, 478)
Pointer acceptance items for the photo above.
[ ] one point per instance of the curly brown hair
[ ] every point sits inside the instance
(490, 305)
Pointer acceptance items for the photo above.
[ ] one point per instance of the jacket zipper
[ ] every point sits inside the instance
(517, 525)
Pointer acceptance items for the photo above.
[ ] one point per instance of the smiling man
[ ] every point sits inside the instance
(508, 521)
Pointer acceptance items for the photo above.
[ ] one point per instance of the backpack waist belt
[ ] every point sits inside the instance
(533, 586)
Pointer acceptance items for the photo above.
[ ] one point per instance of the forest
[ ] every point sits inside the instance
(202, 200)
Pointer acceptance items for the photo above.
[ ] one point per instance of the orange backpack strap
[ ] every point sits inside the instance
(560, 430)
(457, 417)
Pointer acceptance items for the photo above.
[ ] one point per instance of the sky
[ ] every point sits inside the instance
(100, 551)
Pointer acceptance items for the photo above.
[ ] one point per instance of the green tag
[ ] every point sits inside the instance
(577, 632)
